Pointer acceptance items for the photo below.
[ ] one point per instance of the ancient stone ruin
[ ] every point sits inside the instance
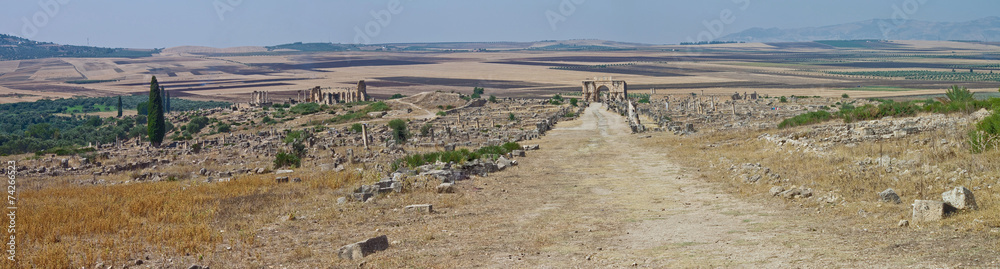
(617, 90)
(259, 98)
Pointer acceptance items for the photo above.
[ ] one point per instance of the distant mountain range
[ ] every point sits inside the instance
(985, 29)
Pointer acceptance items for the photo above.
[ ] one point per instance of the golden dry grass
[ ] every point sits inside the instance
(77, 225)
(924, 172)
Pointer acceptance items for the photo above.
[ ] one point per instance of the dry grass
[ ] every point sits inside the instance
(74, 225)
(921, 172)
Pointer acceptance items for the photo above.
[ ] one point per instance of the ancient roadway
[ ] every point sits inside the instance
(595, 196)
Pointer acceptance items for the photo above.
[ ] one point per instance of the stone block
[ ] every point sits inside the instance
(960, 198)
(364, 248)
(927, 210)
(446, 188)
(425, 208)
(889, 196)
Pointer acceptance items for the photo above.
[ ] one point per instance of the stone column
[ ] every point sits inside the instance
(364, 134)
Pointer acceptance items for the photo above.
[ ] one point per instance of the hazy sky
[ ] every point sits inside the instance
(228, 23)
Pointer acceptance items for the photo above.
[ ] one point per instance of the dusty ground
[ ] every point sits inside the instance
(594, 196)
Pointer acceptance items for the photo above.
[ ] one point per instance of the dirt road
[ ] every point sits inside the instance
(592, 197)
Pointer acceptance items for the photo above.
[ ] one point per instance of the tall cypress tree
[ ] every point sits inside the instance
(155, 125)
(119, 106)
(166, 101)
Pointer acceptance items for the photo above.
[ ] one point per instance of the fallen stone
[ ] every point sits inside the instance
(503, 163)
(283, 172)
(530, 147)
(296, 180)
(341, 200)
(960, 198)
(776, 190)
(425, 208)
(446, 188)
(281, 179)
(904, 223)
(364, 248)
(927, 210)
(890, 196)
(517, 153)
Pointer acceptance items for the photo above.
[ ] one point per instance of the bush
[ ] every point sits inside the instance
(511, 117)
(845, 96)
(399, 131)
(959, 94)
(357, 128)
(783, 99)
(293, 136)
(573, 102)
(224, 128)
(478, 91)
(493, 99)
(284, 159)
(986, 135)
(305, 108)
(197, 123)
(805, 119)
(426, 129)
(396, 96)
(441, 113)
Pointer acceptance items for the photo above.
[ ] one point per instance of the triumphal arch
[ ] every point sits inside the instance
(616, 90)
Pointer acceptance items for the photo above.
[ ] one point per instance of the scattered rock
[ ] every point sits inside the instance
(503, 163)
(927, 210)
(960, 198)
(890, 196)
(904, 223)
(364, 248)
(446, 188)
(283, 172)
(530, 147)
(517, 153)
(341, 200)
(425, 208)
(776, 190)
(281, 179)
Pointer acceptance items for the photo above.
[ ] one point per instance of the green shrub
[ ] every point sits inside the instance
(426, 129)
(305, 108)
(959, 94)
(805, 119)
(573, 102)
(397, 96)
(293, 136)
(845, 96)
(986, 135)
(511, 117)
(493, 99)
(399, 131)
(196, 124)
(783, 99)
(441, 113)
(284, 159)
(357, 128)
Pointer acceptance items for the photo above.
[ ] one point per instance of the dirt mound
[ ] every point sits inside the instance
(435, 100)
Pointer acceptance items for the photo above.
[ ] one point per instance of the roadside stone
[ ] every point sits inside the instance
(503, 163)
(890, 196)
(960, 198)
(927, 210)
(446, 188)
(364, 248)
(776, 190)
(425, 208)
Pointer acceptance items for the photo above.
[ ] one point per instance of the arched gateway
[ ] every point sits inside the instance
(593, 89)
